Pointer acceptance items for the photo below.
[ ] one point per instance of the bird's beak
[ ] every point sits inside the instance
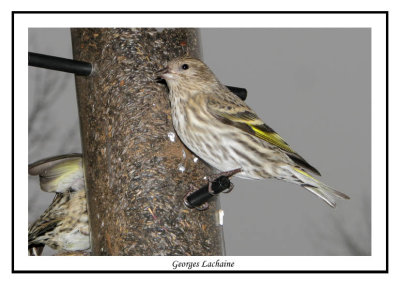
(164, 73)
(161, 72)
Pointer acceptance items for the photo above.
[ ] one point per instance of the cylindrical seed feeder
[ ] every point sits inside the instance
(137, 171)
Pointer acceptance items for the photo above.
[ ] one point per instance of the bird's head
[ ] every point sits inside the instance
(187, 72)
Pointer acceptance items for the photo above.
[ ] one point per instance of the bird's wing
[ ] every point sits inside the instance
(38, 230)
(236, 113)
(59, 173)
(47, 222)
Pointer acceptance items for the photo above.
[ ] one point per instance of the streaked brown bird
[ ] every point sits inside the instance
(64, 225)
(226, 133)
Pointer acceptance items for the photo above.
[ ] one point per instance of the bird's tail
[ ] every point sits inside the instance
(318, 188)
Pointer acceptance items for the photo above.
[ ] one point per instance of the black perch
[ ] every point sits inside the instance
(201, 196)
(59, 64)
(84, 68)
(240, 92)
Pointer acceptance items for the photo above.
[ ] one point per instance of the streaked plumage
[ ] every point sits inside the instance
(64, 225)
(222, 130)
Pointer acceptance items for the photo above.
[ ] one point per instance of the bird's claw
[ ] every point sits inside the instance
(212, 178)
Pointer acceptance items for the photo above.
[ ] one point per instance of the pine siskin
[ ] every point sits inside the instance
(64, 225)
(223, 131)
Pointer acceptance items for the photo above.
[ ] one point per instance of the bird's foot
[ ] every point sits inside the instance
(228, 174)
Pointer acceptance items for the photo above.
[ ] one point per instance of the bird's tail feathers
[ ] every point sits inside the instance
(35, 250)
(326, 193)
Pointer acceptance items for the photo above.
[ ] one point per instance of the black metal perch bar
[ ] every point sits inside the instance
(199, 197)
(84, 68)
(240, 92)
(59, 64)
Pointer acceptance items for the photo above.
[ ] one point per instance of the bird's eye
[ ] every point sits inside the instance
(185, 66)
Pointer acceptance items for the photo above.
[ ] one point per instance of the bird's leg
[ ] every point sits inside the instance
(212, 178)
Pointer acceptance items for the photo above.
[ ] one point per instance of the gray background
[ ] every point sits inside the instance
(313, 86)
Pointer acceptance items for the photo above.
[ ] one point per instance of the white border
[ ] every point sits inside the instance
(374, 21)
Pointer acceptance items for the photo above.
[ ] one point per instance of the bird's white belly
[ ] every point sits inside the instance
(217, 154)
(220, 151)
(76, 240)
